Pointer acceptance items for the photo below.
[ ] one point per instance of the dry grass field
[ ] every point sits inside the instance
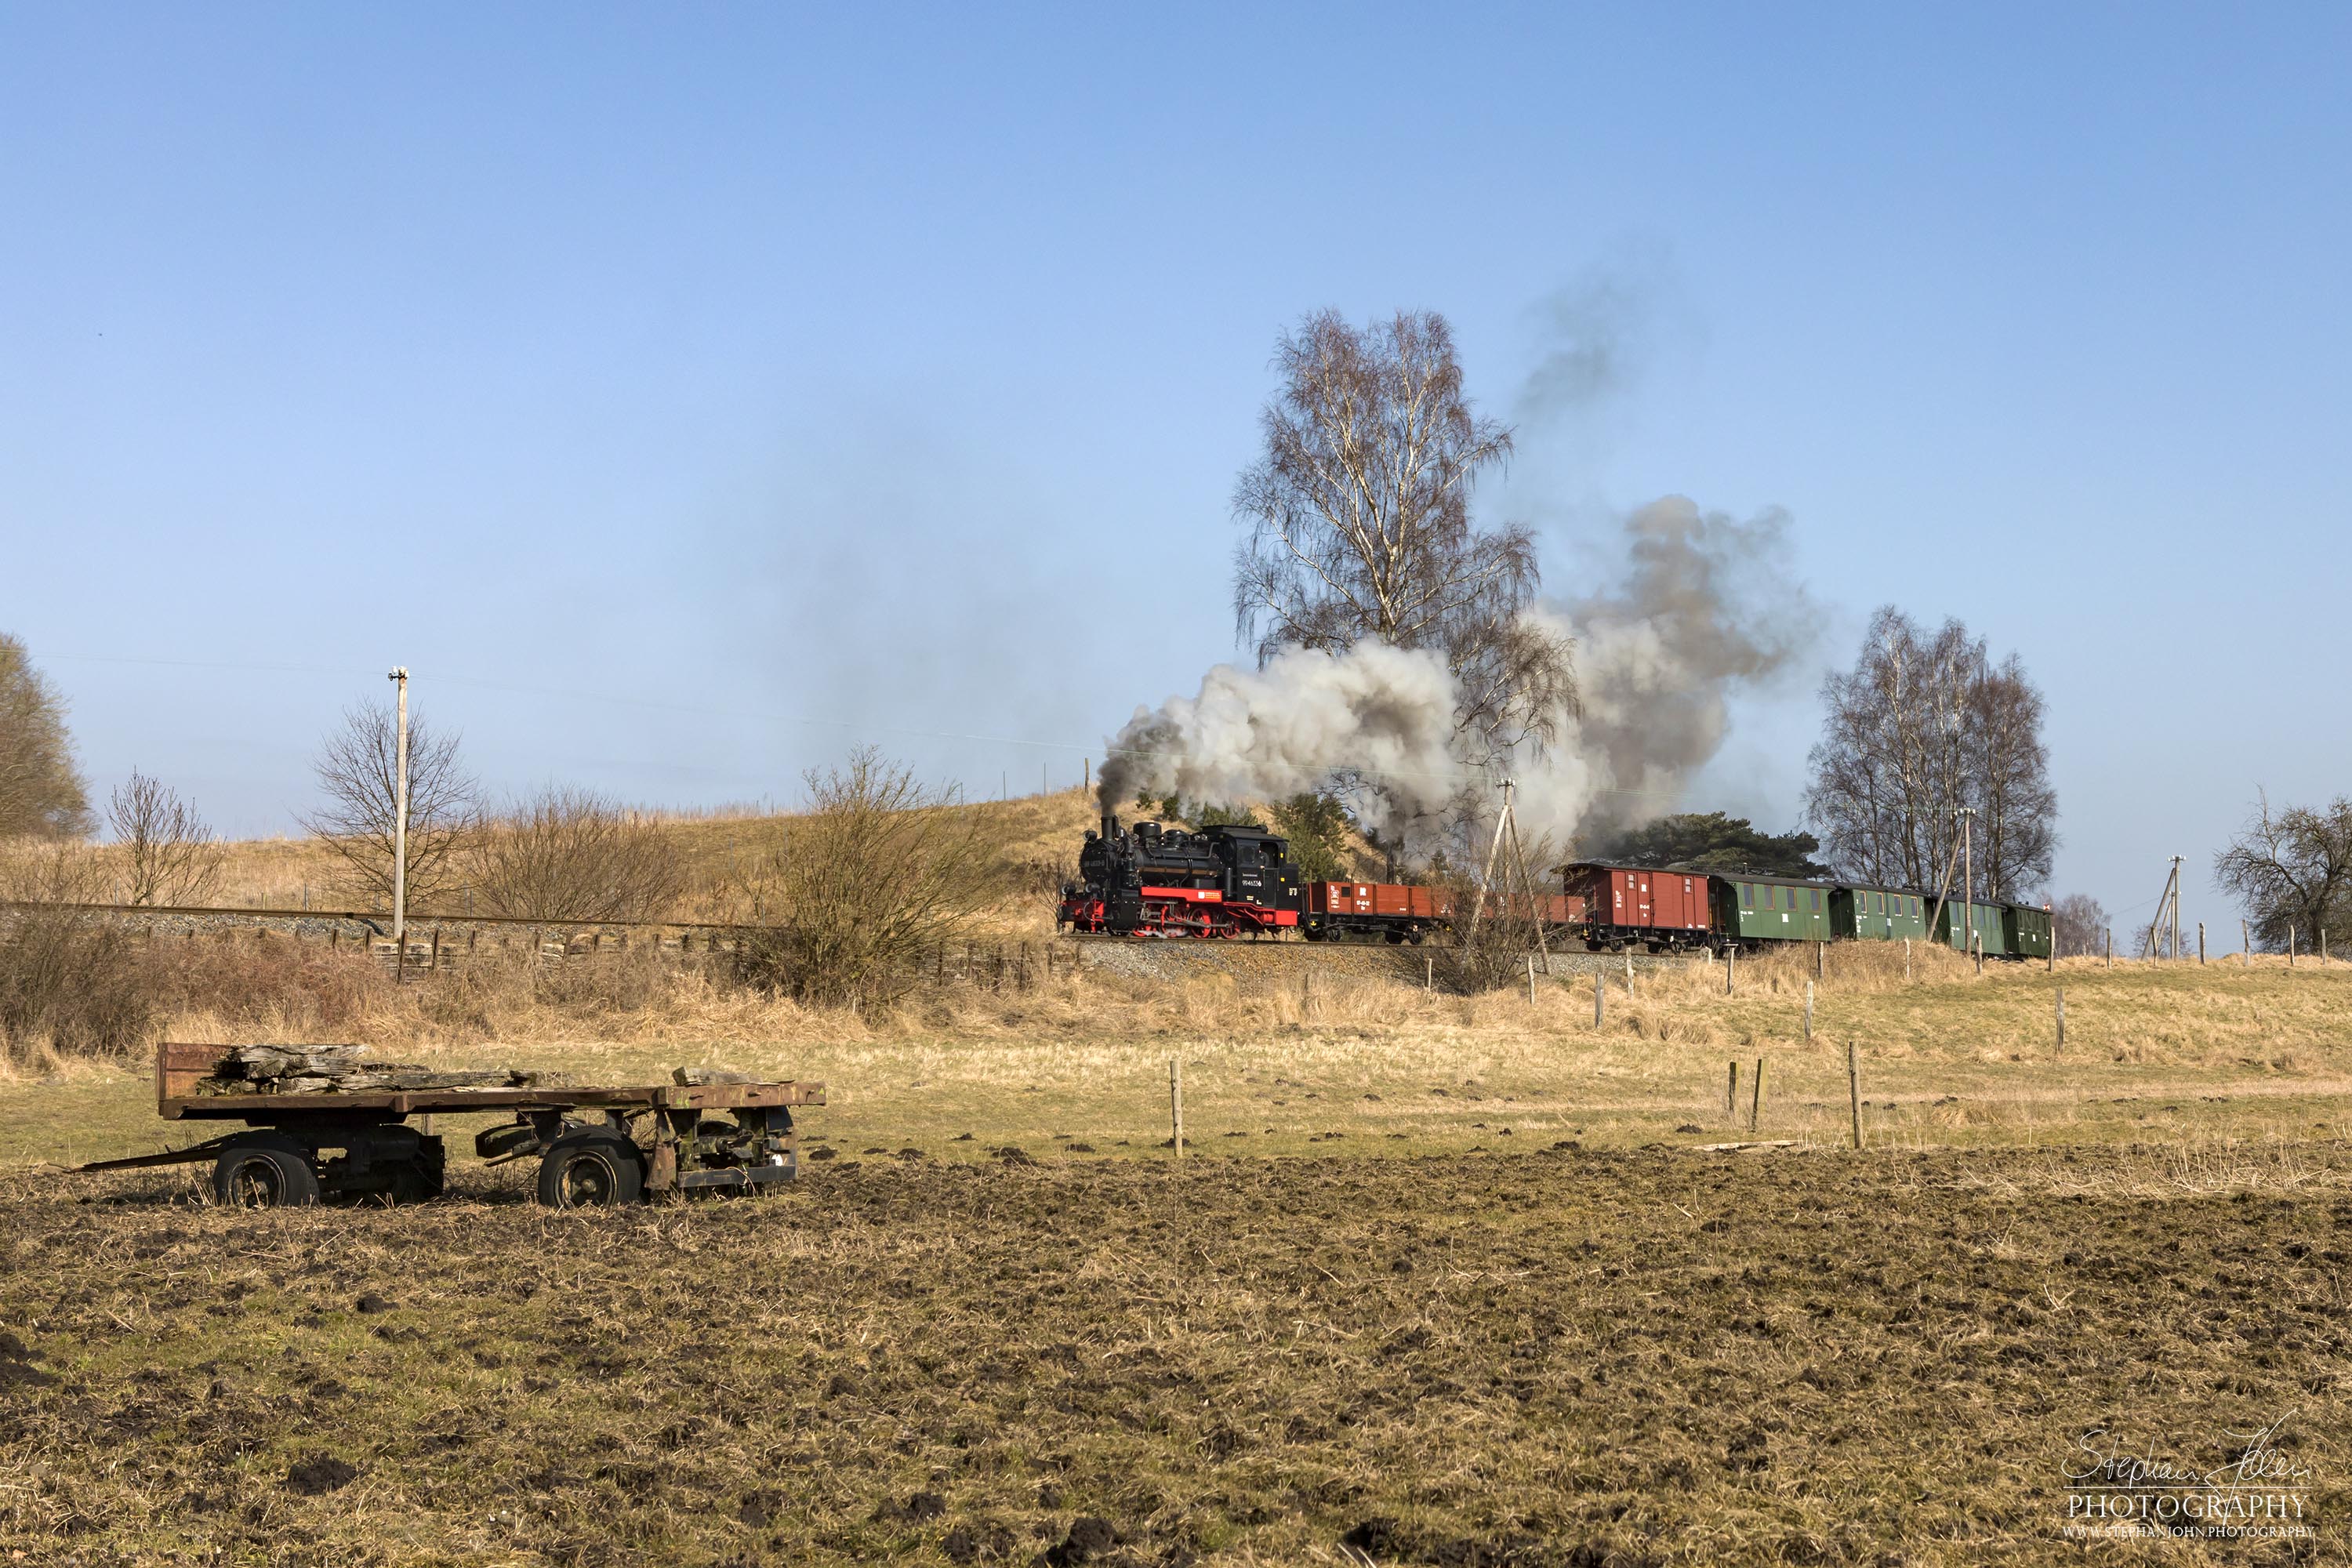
(1442, 1279)
(1036, 838)
(1551, 1357)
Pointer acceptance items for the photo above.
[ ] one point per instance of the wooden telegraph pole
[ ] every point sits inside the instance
(2175, 906)
(1506, 828)
(1969, 881)
(2167, 905)
(399, 679)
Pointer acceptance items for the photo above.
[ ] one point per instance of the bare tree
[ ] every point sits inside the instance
(1359, 519)
(1922, 726)
(877, 871)
(2079, 923)
(572, 855)
(2291, 867)
(356, 767)
(41, 795)
(171, 856)
(2008, 771)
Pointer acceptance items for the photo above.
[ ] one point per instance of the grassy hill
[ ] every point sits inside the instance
(1033, 843)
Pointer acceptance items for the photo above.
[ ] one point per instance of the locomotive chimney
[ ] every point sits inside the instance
(1109, 826)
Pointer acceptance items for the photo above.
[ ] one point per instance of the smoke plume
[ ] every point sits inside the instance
(1268, 734)
(1705, 607)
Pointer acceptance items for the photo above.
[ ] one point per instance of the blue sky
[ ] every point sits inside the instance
(684, 395)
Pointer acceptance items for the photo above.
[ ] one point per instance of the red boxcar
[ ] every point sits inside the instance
(1626, 904)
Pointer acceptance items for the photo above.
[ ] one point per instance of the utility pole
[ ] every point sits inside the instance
(1967, 816)
(2175, 906)
(1526, 880)
(399, 679)
(2168, 906)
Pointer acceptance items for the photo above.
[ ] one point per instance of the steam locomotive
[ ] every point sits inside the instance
(1228, 881)
(1232, 881)
(1221, 881)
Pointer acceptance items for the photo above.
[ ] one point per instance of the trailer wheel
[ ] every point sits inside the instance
(266, 1171)
(422, 1179)
(590, 1169)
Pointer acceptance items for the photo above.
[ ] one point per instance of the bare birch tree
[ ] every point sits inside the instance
(41, 795)
(1358, 525)
(169, 853)
(357, 769)
(2079, 924)
(2007, 768)
(1922, 726)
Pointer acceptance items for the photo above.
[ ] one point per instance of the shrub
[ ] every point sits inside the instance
(878, 871)
(571, 855)
(69, 979)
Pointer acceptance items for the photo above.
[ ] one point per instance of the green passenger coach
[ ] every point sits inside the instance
(1877, 914)
(2026, 930)
(1765, 909)
(1959, 919)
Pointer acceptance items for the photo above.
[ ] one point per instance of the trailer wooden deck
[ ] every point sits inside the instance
(649, 1139)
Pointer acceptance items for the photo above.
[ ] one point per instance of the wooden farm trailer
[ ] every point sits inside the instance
(594, 1145)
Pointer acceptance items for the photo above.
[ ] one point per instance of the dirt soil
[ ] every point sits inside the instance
(1558, 1357)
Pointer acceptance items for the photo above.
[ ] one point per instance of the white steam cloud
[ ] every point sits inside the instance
(1268, 734)
(1705, 608)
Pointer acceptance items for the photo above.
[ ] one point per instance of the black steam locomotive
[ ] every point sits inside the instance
(1220, 882)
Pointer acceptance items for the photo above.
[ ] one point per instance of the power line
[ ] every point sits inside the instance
(740, 716)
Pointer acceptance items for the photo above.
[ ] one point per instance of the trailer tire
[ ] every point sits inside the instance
(592, 1168)
(266, 1170)
(424, 1178)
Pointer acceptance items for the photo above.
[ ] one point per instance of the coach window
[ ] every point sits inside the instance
(1747, 895)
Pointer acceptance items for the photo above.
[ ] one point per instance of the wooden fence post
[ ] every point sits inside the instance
(2062, 1020)
(1907, 961)
(2245, 947)
(1809, 1012)
(1755, 1096)
(1731, 968)
(1731, 1090)
(2290, 947)
(1820, 961)
(437, 950)
(1854, 1091)
(1531, 979)
(2111, 947)
(1599, 995)
(1176, 1104)
(2200, 944)
(1428, 973)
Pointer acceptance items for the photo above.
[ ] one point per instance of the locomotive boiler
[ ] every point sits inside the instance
(1221, 880)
